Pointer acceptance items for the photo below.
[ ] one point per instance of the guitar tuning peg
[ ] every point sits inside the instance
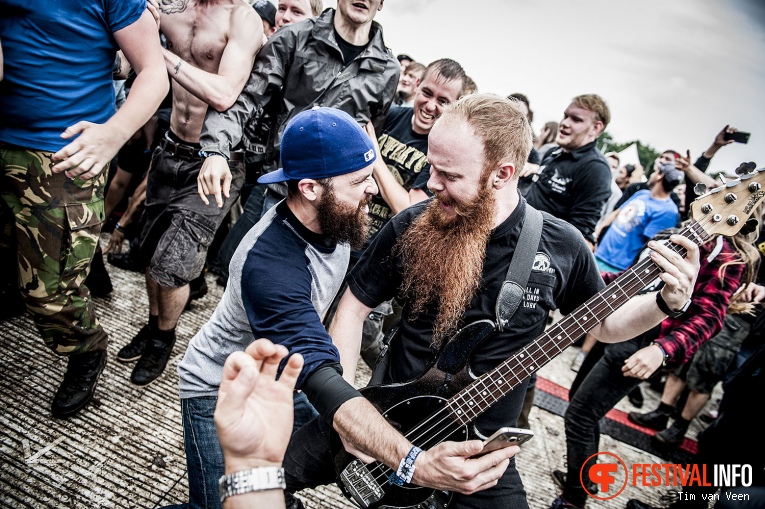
(700, 188)
(742, 169)
(723, 179)
(751, 165)
(749, 226)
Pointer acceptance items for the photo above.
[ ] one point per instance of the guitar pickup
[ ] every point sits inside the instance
(360, 485)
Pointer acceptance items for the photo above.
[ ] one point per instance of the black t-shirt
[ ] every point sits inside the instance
(573, 186)
(564, 276)
(406, 154)
(350, 51)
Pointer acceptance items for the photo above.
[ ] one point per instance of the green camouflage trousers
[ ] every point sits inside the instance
(57, 221)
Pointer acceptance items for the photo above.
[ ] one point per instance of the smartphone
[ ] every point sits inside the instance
(738, 136)
(505, 437)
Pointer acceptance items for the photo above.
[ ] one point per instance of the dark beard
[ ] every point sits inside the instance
(344, 224)
(443, 260)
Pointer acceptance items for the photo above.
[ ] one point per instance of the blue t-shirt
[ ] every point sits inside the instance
(58, 66)
(639, 219)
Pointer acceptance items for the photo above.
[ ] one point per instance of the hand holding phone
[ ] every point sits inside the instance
(505, 437)
(737, 136)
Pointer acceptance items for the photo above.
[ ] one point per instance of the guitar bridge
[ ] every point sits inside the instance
(360, 485)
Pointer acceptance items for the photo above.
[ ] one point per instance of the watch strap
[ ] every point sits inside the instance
(672, 313)
(256, 479)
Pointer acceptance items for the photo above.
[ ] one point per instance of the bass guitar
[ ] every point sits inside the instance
(442, 403)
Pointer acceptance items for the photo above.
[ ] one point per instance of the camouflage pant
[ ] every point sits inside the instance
(57, 222)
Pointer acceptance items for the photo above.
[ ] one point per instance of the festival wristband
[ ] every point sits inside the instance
(405, 470)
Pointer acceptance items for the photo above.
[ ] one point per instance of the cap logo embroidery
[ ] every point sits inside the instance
(369, 155)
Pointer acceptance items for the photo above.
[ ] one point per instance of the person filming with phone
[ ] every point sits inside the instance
(695, 173)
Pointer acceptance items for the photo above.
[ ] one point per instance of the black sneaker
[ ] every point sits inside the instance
(636, 397)
(79, 383)
(133, 350)
(153, 361)
(672, 436)
(653, 420)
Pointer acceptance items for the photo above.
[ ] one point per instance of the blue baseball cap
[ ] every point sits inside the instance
(321, 143)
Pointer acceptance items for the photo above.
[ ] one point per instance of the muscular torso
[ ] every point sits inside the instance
(197, 32)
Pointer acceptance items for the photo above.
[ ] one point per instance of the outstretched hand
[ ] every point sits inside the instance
(254, 413)
(720, 140)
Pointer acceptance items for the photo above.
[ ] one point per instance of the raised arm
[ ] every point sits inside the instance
(97, 144)
(392, 192)
(222, 89)
(641, 312)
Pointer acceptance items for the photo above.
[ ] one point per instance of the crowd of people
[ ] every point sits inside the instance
(385, 207)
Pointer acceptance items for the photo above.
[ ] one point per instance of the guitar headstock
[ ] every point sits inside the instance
(725, 209)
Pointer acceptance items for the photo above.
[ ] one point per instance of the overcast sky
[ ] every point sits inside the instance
(673, 72)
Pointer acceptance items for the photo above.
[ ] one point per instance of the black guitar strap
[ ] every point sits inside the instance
(511, 293)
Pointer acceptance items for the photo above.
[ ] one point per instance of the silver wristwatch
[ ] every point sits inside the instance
(256, 479)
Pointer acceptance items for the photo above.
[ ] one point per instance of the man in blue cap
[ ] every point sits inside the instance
(282, 277)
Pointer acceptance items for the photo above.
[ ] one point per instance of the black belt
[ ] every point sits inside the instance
(190, 153)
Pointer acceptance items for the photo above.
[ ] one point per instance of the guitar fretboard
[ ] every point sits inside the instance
(479, 396)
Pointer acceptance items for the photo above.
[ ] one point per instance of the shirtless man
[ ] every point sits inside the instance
(211, 45)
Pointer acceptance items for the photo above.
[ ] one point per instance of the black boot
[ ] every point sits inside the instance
(79, 383)
(153, 360)
(654, 420)
(133, 350)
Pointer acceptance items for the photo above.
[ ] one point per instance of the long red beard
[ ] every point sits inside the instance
(443, 260)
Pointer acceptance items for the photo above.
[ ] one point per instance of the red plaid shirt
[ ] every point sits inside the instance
(680, 337)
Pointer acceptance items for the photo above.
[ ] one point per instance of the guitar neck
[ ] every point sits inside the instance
(479, 396)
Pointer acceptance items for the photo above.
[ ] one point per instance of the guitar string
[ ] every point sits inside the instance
(635, 284)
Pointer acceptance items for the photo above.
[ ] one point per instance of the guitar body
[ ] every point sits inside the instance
(406, 406)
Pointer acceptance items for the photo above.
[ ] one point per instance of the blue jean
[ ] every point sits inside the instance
(204, 457)
(599, 385)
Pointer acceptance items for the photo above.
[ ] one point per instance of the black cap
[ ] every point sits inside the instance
(404, 56)
(265, 10)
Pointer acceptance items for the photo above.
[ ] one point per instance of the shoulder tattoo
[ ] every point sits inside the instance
(171, 6)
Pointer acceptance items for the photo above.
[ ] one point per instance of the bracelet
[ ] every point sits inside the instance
(246, 481)
(405, 470)
(663, 352)
(119, 227)
(209, 153)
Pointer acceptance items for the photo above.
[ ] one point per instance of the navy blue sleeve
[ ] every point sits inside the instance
(276, 293)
